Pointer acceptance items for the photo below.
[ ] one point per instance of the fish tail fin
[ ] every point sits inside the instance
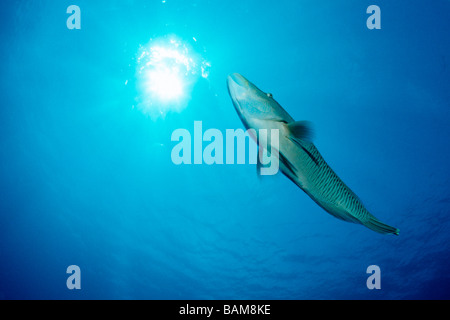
(378, 226)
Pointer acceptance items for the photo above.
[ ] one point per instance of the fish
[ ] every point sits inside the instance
(299, 159)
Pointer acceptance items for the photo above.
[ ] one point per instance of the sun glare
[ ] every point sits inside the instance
(167, 71)
(165, 84)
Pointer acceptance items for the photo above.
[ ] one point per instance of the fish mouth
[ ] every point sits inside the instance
(235, 79)
(233, 84)
(237, 88)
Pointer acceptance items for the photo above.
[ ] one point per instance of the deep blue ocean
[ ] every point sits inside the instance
(87, 178)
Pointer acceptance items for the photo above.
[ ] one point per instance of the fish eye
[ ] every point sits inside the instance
(270, 95)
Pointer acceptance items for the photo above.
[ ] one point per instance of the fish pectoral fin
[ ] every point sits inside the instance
(301, 130)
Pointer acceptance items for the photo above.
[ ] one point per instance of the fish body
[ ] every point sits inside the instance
(299, 158)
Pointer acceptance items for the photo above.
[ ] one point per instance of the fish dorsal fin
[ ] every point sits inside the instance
(301, 130)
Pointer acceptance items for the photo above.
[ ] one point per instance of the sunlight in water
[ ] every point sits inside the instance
(164, 83)
(167, 70)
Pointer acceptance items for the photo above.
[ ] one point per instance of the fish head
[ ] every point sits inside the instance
(252, 104)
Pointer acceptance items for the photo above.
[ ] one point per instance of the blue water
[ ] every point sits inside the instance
(86, 176)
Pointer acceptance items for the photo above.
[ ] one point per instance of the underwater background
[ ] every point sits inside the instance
(87, 179)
